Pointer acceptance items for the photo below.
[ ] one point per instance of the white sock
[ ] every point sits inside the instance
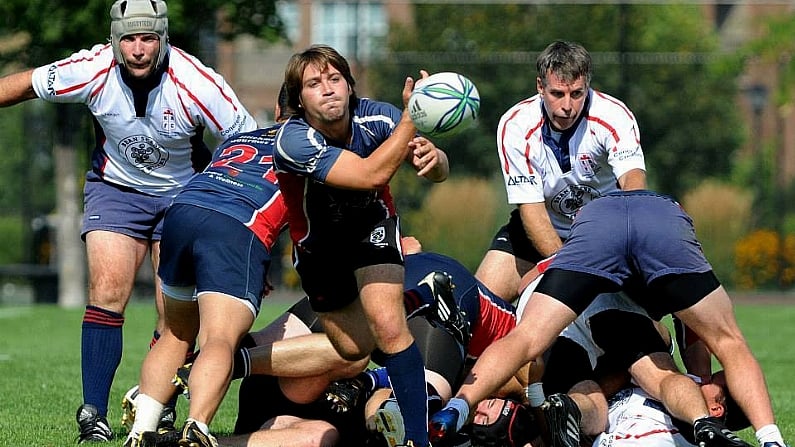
(147, 414)
(202, 426)
(769, 433)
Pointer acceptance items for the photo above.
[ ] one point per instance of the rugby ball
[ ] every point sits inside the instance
(444, 104)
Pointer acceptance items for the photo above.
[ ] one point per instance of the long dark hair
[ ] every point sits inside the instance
(321, 56)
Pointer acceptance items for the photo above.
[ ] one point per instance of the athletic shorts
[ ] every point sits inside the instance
(327, 272)
(512, 238)
(638, 241)
(123, 210)
(211, 252)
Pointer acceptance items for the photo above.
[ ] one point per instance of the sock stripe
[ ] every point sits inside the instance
(102, 317)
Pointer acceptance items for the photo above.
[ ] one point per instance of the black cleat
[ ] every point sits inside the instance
(445, 310)
(93, 427)
(563, 420)
(345, 395)
(192, 436)
(711, 432)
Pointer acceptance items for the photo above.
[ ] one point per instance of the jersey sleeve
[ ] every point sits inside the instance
(515, 141)
(214, 102)
(75, 78)
(624, 149)
(302, 150)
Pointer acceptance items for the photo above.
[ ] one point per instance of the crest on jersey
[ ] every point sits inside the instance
(572, 198)
(377, 236)
(143, 152)
(588, 165)
(169, 121)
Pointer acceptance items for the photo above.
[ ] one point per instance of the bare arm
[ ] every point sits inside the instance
(539, 229)
(633, 179)
(374, 172)
(16, 88)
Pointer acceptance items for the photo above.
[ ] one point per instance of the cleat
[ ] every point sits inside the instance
(563, 420)
(445, 310)
(180, 379)
(443, 424)
(711, 432)
(192, 436)
(152, 439)
(389, 422)
(128, 408)
(345, 395)
(93, 427)
(167, 417)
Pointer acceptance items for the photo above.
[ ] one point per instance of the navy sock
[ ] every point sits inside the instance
(101, 348)
(407, 374)
(380, 378)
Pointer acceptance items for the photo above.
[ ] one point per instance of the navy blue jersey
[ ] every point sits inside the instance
(304, 157)
(240, 182)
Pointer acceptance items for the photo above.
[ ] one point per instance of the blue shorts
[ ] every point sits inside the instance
(639, 233)
(638, 241)
(211, 252)
(122, 210)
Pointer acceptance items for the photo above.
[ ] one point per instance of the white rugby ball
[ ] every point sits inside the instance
(444, 103)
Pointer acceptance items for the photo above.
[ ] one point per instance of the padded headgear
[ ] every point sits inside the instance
(137, 17)
(514, 427)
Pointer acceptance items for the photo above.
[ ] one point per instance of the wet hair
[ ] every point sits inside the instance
(320, 56)
(566, 60)
(514, 427)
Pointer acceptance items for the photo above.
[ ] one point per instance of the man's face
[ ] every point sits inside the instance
(488, 411)
(325, 95)
(563, 101)
(140, 53)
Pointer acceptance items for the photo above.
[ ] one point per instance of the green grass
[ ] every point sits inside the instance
(40, 369)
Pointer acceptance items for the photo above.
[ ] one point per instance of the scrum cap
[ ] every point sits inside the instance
(514, 427)
(135, 17)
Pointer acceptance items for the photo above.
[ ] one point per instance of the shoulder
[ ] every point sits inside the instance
(525, 112)
(369, 111)
(608, 107)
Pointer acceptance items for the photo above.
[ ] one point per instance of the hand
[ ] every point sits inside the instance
(443, 424)
(424, 156)
(408, 87)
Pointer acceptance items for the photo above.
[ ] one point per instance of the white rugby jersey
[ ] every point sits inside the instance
(637, 420)
(151, 154)
(603, 145)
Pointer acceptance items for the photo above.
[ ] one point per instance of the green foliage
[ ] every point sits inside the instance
(496, 46)
(57, 29)
(12, 249)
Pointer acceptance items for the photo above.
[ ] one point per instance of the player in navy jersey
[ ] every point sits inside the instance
(558, 150)
(215, 256)
(151, 103)
(334, 161)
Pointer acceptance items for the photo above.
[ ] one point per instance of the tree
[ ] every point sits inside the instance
(661, 60)
(36, 32)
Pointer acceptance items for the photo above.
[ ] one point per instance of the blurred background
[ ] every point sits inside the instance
(710, 82)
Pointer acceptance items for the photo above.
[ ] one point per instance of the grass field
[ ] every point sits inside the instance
(40, 369)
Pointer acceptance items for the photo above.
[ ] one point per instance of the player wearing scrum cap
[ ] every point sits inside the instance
(151, 103)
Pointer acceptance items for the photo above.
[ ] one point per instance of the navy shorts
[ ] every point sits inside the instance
(211, 252)
(635, 241)
(122, 210)
(327, 272)
(512, 238)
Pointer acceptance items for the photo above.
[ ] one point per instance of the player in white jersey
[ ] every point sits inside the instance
(151, 104)
(558, 150)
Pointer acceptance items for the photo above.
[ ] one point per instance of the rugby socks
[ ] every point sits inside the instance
(147, 414)
(241, 364)
(407, 375)
(379, 378)
(101, 348)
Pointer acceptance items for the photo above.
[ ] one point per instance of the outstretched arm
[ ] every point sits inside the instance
(16, 88)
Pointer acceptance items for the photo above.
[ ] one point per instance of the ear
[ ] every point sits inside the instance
(717, 410)
(539, 85)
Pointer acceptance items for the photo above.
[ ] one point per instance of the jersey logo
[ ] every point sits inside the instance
(521, 179)
(377, 236)
(572, 198)
(587, 165)
(143, 152)
(169, 120)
